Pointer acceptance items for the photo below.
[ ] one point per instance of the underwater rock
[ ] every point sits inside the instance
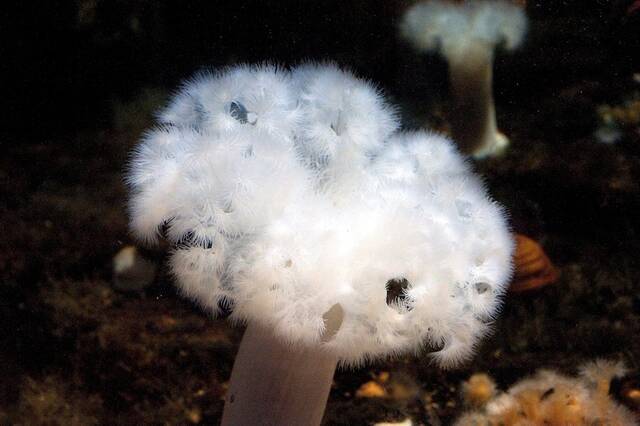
(478, 390)
(131, 271)
(371, 389)
(615, 120)
(406, 422)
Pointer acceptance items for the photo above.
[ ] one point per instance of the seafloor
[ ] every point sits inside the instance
(74, 350)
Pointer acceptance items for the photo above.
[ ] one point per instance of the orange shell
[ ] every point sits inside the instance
(533, 269)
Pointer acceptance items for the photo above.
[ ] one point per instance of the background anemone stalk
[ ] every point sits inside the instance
(472, 114)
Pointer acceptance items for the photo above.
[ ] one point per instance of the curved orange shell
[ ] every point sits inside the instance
(533, 269)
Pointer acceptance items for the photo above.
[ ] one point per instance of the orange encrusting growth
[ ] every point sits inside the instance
(549, 398)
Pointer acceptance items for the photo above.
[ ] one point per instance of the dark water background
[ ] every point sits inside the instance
(80, 82)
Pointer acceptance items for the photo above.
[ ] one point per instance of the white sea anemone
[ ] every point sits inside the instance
(307, 227)
(466, 34)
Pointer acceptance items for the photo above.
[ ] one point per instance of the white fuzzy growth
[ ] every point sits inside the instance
(342, 116)
(212, 101)
(284, 228)
(153, 175)
(457, 29)
(602, 371)
(199, 271)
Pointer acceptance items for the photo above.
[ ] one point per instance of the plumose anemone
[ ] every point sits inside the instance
(467, 34)
(292, 198)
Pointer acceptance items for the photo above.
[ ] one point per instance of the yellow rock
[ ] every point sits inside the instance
(478, 390)
(371, 390)
(194, 416)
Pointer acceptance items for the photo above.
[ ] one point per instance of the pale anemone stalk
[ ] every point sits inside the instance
(291, 197)
(467, 34)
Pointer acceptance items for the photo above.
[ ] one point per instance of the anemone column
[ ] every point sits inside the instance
(472, 114)
(274, 383)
